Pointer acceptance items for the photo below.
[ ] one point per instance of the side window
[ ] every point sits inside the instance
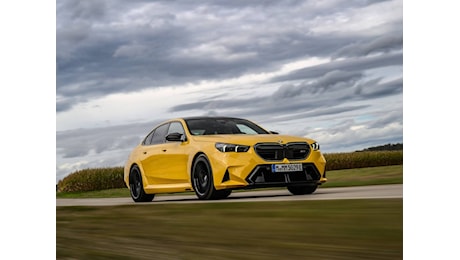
(159, 134)
(176, 127)
(148, 139)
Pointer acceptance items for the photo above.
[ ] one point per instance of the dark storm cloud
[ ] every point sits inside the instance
(350, 64)
(315, 113)
(330, 93)
(331, 79)
(385, 43)
(394, 116)
(382, 89)
(106, 47)
(216, 104)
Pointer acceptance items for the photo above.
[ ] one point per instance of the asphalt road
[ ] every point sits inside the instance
(361, 192)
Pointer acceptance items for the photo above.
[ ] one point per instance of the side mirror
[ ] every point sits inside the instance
(274, 133)
(175, 137)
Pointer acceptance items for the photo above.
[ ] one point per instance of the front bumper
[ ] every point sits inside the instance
(262, 176)
(247, 171)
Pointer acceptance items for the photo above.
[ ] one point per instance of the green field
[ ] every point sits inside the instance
(344, 229)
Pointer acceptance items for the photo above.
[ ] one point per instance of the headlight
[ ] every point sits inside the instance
(225, 148)
(315, 146)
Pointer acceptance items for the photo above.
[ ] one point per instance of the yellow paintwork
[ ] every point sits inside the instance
(170, 171)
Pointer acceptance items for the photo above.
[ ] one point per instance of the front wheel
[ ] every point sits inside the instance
(302, 190)
(203, 181)
(222, 194)
(136, 187)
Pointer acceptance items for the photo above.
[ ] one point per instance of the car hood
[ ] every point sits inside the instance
(251, 139)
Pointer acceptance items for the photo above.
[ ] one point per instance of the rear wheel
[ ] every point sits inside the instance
(136, 186)
(302, 190)
(203, 181)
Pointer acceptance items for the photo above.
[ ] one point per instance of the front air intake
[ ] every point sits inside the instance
(262, 175)
(277, 152)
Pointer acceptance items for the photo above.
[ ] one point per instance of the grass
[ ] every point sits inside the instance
(111, 193)
(337, 178)
(345, 229)
(365, 176)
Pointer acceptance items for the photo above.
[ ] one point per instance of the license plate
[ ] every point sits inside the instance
(294, 167)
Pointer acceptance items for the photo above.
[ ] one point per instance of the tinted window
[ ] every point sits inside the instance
(246, 129)
(148, 139)
(213, 126)
(176, 127)
(159, 134)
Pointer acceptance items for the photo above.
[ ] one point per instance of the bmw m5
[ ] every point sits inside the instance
(214, 155)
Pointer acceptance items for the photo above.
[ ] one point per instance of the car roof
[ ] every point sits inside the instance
(209, 117)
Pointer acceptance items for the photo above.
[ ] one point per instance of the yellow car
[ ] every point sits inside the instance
(214, 155)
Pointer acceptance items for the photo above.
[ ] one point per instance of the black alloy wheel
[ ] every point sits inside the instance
(303, 189)
(203, 181)
(222, 194)
(136, 186)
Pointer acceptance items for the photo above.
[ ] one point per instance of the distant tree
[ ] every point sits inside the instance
(386, 147)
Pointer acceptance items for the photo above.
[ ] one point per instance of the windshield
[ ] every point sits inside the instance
(217, 126)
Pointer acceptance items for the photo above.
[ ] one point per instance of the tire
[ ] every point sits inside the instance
(136, 186)
(203, 181)
(302, 190)
(222, 194)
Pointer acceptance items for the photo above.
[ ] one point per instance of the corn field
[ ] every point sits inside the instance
(341, 161)
(112, 178)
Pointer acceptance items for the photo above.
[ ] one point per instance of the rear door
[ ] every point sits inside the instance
(151, 153)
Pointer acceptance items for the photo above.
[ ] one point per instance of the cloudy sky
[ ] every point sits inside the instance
(331, 70)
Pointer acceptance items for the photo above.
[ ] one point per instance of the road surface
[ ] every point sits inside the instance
(360, 192)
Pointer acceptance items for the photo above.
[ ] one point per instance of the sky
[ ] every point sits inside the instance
(330, 70)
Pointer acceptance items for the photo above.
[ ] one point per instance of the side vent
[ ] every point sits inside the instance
(226, 176)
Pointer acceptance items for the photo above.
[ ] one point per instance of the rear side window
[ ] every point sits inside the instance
(159, 135)
(148, 139)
